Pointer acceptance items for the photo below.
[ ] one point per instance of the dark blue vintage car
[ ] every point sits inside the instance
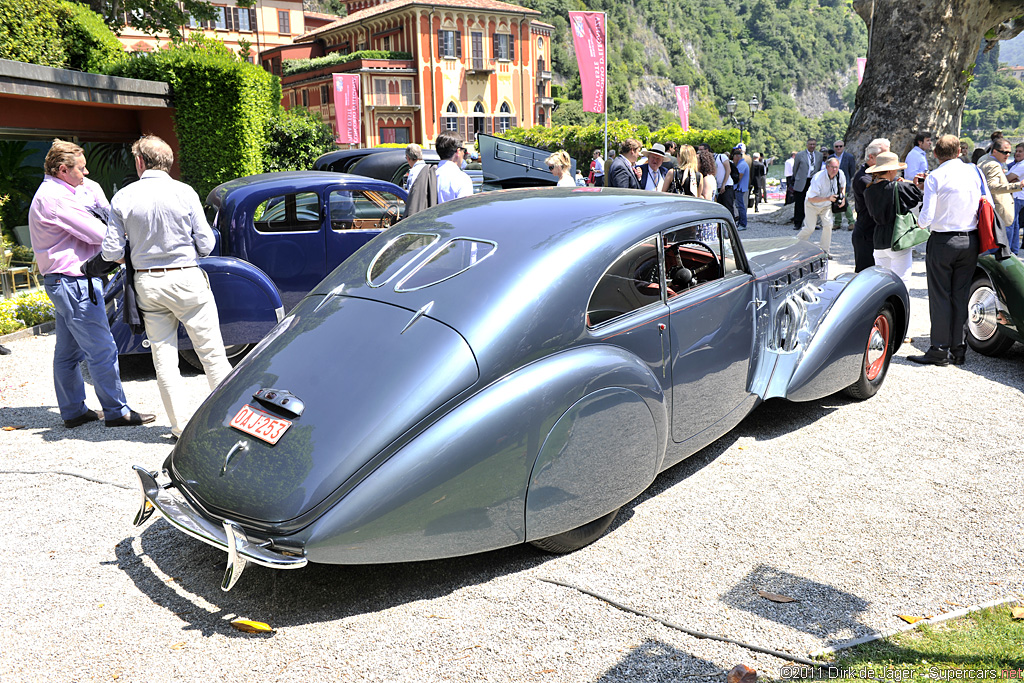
(278, 235)
(512, 367)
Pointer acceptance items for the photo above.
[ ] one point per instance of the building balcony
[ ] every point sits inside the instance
(543, 75)
(393, 101)
(479, 68)
(545, 101)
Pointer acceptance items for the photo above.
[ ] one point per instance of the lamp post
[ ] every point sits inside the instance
(730, 107)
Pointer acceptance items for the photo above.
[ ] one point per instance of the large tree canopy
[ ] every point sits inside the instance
(920, 59)
(155, 16)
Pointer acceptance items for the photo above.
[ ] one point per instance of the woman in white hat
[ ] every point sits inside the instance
(880, 198)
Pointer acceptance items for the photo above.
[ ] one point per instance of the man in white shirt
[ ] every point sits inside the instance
(950, 212)
(827, 185)
(1016, 174)
(414, 156)
(452, 181)
(598, 168)
(917, 158)
(787, 172)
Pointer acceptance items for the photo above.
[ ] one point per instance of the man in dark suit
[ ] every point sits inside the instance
(848, 165)
(806, 165)
(759, 179)
(653, 171)
(622, 172)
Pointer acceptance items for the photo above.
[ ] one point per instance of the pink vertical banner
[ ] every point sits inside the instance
(683, 103)
(862, 63)
(588, 38)
(346, 108)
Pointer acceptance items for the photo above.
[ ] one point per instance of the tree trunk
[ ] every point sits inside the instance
(920, 56)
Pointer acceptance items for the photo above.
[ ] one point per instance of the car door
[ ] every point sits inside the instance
(627, 307)
(355, 216)
(287, 242)
(710, 301)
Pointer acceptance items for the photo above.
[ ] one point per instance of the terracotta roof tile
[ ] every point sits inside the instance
(394, 5)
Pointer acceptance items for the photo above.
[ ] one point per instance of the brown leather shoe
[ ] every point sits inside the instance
(87, 416)
(132, 419)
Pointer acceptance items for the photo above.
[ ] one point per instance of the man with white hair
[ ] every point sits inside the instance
(864, 229)
(827, 186)
(165, 224)
(414, 156)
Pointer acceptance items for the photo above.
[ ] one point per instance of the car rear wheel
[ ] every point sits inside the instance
(983, 333)
(235, 353)
(574, 539)
(880, 347)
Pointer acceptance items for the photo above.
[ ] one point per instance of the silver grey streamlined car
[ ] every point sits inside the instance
(512, 367)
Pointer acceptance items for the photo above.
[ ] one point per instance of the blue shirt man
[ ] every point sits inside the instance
(742, 188)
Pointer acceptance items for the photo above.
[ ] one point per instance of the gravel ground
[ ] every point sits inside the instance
(907, 503)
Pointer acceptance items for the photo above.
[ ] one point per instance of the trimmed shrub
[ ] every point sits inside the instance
(295, 138)
(90, 45)
(294, 66)
(221, 104)
(26, 310)
(29, 32)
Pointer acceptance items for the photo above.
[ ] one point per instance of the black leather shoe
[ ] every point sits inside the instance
(87, 416)
(132, 419)
(957, 360)
(4, 351)
(927, 359)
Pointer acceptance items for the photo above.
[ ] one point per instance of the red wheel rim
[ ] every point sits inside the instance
(878, 347)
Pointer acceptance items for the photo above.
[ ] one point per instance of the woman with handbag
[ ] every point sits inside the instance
(889, 198)
(684, 178)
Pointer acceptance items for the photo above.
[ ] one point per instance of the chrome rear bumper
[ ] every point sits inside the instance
(227, 536)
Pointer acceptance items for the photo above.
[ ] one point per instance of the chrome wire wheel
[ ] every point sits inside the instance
(878, 345)
(982, 311)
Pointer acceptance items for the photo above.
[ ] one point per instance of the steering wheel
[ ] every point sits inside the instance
(684, 277)
(389, 218)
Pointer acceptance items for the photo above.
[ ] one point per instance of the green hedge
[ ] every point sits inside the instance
(221, 105)
(295, 138)
(27, 32)
(90, 45)
(294, 66)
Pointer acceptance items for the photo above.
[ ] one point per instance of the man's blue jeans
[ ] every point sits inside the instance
(741, 208)
(1013, 232)
(83, 334)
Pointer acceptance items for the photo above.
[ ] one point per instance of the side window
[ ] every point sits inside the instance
(633, 281)
(364, 209)
(288, 213)
(698, 254)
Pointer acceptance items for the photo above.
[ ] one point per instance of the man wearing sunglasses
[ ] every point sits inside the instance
(993, 166)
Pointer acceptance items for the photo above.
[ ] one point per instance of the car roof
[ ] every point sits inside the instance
(293, 181)
(553, 245)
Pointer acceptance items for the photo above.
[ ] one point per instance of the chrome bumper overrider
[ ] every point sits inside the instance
(227, 536)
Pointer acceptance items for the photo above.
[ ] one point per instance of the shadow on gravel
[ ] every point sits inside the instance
(314, 594)
(47, 419)
(1007, 369)
(658, 661)
(817, 608)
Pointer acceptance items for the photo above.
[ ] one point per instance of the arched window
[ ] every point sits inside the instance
(451, 123)
(504, 117)
(479, 108)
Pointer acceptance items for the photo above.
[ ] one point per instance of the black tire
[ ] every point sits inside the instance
(983, 332)
(235, 353)
(574, 539)
(880, 346)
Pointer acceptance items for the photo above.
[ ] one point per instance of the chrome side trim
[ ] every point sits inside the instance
(227, 536)
(279, 312)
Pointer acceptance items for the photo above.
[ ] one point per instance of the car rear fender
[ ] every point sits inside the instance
(248, 305)
(461, 485)
(829, 350)
(1007, 279)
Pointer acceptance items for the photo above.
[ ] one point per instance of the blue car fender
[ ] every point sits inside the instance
(461, 485)
(832, 349)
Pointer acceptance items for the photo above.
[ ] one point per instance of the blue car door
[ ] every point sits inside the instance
(710, 299)
(287, 243)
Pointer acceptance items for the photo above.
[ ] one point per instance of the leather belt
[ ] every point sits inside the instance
(954, 233)
(162, 270)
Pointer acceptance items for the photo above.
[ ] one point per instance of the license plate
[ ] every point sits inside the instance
(257, 423)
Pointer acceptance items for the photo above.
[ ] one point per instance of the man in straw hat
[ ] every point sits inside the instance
(652, 172)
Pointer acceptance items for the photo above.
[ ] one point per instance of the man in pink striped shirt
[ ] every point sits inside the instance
(64, 236)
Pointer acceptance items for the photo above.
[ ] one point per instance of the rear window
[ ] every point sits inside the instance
(457, 256)
(396, 255)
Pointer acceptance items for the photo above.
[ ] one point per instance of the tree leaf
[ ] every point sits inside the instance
(775, 597)
(910, 619)
(251, 626)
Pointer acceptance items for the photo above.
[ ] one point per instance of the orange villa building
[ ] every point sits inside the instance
(477, 66)
(267, 25)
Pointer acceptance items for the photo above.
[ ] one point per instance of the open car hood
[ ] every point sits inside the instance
(359, 374)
